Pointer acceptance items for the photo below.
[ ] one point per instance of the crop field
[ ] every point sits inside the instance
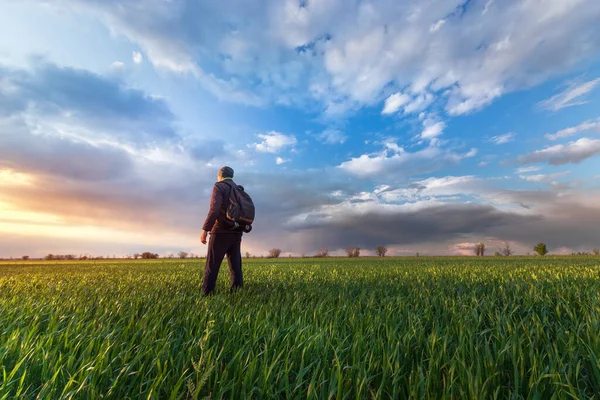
(453, 328)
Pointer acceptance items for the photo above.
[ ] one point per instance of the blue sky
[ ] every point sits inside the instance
(420, 125)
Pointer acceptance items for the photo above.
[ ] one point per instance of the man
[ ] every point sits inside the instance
(223, 239)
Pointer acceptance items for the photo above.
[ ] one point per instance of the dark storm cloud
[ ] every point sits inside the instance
(431, 224)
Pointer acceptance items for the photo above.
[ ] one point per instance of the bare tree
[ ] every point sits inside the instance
(274, 253)
(136, 256)
(479, 249)
(25, 258)
(322, 253)
(596, 252)
(506, 250)
(353, 251)
(182, 254)
(381, 250)
(247, 254)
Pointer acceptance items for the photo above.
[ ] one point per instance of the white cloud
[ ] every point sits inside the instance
(436, 27)
(137, 57)
(394, 103)
(274, 142)
(117, 65)
(503, 139)
(571, 96)
(573, 152)
(544, 177)
(280, 161)
(332, 136)
(419, 103)
(587, 126)
(432, 129)
(401, 163)
(524, 170)
(354, 53)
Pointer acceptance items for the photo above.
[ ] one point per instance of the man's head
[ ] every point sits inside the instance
(224, 173)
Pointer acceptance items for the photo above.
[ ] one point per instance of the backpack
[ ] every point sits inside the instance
(240, 208)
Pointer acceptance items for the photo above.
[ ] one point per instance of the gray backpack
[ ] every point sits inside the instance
(239, 208)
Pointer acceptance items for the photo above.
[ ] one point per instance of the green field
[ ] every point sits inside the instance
(462, 328)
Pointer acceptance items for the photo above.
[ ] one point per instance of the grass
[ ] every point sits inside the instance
(444, 328)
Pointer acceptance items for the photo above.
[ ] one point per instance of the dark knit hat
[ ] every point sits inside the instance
(225, 172)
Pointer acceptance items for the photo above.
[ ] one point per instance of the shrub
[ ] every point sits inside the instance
(147, 255)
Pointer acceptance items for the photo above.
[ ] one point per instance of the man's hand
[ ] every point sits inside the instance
(203, 237)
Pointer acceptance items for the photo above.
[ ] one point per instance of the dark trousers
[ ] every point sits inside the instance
(219, 245)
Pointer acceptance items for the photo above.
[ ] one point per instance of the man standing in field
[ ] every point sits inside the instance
(223, 239)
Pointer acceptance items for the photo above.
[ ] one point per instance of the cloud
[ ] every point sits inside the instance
(587, 126)
(350, 56)
(394, 103)
(503, 139)
(208, 149)
(401, 163)
(573, 152)
(332, 136)
(522, 170)
(432, 129)
(544, 177)
(117, 65)
(80, 103)
(280, 161)
(137, 57)
(571, 96)
(274, 142)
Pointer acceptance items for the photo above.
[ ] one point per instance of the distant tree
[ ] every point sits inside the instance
(171, 255)
(290, 255)
(247, 254)
(596, 252)
(479, 249)
(497, 254)
(417, 255)
(381, 250)
(182, 254)
(136, 256)
(322, 253)
(25, 258)
(274, 253)
(353, 251)
(303, 255)
(506, 250)
(147, 255)
(541, 249)
(49, 257)
(83, 257)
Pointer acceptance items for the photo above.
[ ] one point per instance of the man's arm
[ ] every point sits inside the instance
(216, 200)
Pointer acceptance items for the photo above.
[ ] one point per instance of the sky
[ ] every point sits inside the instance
(421, 125)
